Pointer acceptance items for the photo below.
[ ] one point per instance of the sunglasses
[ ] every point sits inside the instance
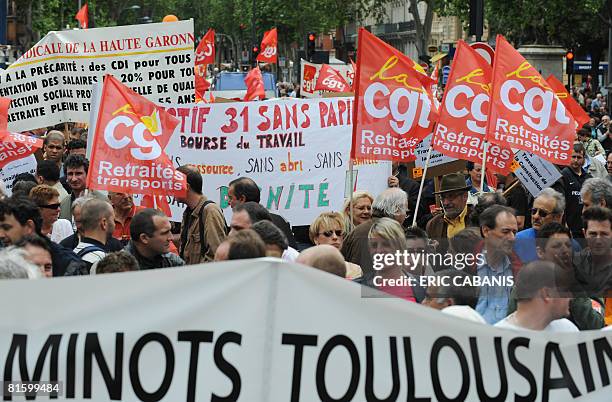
(330, 233)
(50, 206)
(541, 212)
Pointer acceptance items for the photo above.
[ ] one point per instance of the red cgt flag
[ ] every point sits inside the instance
(83, 16)
(128, 148)
(205, 52)
(525, 113)
(331, 80)
(201, 83)
(570, 103)
(255, 85)
(394, 106)
(460, 132)
(268, 47)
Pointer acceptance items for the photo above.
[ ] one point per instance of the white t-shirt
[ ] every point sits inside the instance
(61, 229)
(290, 254)
(561, 325)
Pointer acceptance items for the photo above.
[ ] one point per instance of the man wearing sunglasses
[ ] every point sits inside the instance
(548, 207)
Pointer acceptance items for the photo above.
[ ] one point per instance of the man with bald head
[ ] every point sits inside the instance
(325, 258)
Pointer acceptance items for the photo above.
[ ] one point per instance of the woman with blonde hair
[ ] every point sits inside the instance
(362, 209)
(47, 200)
(386, 237)
(328, 228)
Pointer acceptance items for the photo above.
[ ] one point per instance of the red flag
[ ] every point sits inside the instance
(201, 83)
(268, 47)
(331, 80)
(394, 106)
(569, 102)
(5, 103)
(83, 16)
(205, 52)
(128, 148)
(158, 202)
(525, 113)
(460, 132)
(255, 85)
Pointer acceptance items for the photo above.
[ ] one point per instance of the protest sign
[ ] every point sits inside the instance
(535, 173)
(436, 157)
(309, 74)
(525, 112)
(267, 330)
(394, 107)
(9, 171)
(51, 83)
(296, 150)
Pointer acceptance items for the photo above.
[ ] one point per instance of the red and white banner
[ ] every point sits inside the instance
(255, 85)
(309, 74)
(128, 152)
(394, 106)
(268, 47)
(330, 80)
(460, 132)
(570, 103)
(525, 113)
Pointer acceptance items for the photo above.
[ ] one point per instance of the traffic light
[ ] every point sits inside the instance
(310, 47)
(569, 62)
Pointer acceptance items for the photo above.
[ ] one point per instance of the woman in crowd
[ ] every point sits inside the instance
(47, 199)
(362, 210)
(328, 228)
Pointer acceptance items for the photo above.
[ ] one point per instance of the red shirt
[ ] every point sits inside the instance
(122, 230)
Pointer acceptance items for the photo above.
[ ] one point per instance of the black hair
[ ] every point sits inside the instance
(489, 216)
(22, 209)
(25, 177)
(549, 229)
(75, 161)
(256, 211)
(142, 223)
(598, 214)
(194, 178)
(76, 144)
(271, 234)
(23, 188)
(246, 187)
(415, 232)
(34, 240)
(48, 170)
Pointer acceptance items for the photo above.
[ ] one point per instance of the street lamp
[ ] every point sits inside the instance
(133, 7)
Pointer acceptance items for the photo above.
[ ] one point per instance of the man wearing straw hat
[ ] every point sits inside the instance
(453, 197)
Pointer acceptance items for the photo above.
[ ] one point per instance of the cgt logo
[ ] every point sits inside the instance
(538, 101)
(308, 83)
(208, 51)
(380, 101)
(332, 83)
(462, 94)
(269, 51)
(143, 149)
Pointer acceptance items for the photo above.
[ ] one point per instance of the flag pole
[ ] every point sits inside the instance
(352, 184)
(484, 160)
(416, 208)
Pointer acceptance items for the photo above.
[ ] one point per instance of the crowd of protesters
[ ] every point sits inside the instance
(491, 252)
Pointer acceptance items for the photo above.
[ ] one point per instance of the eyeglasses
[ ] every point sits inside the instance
(330, 233)
(50, 206)
(541, 212)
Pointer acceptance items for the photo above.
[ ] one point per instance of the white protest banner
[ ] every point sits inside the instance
(9, 171)
(265, 330)
(309, 72)
(436, 158)
(535, 173)
(51, 83)
(296, 150)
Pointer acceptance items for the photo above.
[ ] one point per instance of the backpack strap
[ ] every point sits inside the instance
(89, 249)
(204, 247)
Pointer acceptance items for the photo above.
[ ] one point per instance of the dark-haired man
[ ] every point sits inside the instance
(243, 190)
(75, 168)
(47, 172)
(203, 227)
(77, 147)
(151, 238)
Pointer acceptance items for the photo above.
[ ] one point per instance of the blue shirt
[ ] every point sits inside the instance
(493, 300)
